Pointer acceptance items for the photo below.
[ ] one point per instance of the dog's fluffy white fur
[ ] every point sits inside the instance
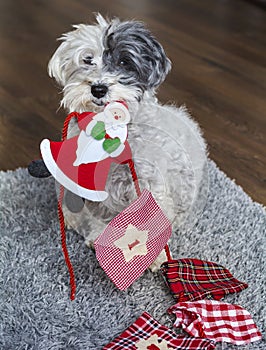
(114, 60)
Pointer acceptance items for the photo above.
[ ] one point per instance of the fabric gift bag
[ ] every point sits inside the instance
(133, 240)
(215, 320)
(147, 333)
(194, 279)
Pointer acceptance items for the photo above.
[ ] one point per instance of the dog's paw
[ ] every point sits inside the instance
(89, 243)
(67, 224)
(156, 265)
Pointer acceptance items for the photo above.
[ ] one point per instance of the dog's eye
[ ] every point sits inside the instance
(88, 60)
(125, 63)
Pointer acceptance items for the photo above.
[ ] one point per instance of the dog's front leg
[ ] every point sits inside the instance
(155, 266)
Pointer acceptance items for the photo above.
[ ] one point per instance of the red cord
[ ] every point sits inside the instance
(63, 242)
(134, 176)
(167, 252)
(62, 220)
(66, 123)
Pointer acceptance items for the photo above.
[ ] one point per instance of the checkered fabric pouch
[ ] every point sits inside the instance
(132, 240)
(193, 279)
(216, 320)
(147, 333)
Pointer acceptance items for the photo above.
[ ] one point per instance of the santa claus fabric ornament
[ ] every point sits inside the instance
(82, 163)
(133, 240)
(147, 333)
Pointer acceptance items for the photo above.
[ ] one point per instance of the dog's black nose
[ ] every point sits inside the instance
(99, 91)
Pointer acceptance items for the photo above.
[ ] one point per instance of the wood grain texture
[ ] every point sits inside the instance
(218, 51)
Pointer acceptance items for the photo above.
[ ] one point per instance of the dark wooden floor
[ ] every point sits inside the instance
(218, 50)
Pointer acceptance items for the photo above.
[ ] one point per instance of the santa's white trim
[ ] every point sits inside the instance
(57, 173)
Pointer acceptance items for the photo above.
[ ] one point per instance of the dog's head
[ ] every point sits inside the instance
(108, 61)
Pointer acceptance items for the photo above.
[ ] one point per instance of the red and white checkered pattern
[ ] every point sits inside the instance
(145, 215)
(217, 321)
(146, 326)
(194, 279)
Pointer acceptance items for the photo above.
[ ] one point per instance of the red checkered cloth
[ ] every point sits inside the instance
(147, 328)
(217, 321)
(193, 279)
(133, 240)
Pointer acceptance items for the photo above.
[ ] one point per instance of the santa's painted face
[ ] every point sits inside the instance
(117, 114)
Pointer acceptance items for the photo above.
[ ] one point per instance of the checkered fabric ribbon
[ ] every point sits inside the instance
(193, 279)
(217, 321)
(133, 240)
(147, 333)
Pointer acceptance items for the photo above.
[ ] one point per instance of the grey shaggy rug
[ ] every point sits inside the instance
(35, 310)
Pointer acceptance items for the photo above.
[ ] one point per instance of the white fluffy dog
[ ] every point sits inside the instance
(111, 61)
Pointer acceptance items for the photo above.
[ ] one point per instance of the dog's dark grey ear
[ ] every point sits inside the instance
(133, 43)
(155, 64)
(160, 63)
